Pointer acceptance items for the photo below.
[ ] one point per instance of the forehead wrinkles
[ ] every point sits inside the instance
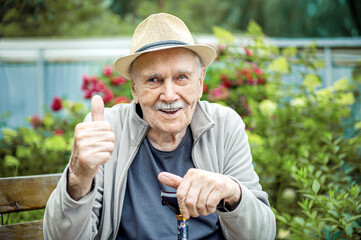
(156, 63)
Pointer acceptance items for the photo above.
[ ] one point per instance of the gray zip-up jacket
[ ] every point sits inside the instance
(220, 145)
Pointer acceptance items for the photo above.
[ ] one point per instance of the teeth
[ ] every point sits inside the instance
(170, 110)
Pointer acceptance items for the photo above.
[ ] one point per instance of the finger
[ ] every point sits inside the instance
(97, 108)
(202, 199)
(214, 198)
(191, 200)
(170, 179)
(94, 137)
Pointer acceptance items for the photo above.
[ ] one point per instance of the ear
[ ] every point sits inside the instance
(201, 79)
(134, 92)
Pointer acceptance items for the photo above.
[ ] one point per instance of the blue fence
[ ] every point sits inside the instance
(30, 80)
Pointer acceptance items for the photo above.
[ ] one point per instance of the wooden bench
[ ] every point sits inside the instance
(22, 194)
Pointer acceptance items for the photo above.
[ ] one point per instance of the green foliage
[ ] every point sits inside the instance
(279, 18)
(44, 147)
(309, 168)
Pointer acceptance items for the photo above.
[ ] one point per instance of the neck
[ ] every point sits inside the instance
(165, 141)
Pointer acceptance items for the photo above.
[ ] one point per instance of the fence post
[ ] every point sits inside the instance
(41, 76)
(328, 66)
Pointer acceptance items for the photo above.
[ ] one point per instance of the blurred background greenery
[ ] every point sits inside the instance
(278, 18)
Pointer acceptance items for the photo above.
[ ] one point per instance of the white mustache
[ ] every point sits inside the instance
(163, 106)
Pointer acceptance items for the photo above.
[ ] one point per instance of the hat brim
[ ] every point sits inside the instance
(206, 53)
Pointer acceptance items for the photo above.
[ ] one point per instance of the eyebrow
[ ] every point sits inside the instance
(152, 75)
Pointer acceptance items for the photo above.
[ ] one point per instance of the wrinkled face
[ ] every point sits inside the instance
(167, 85)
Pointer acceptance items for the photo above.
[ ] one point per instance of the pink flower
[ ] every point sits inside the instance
(56, 104)
(108, 71)
(118, 81)
(258, 71)
(88, 94)
(248, 52)
(219, 93)
(98, 86)
(108, 95)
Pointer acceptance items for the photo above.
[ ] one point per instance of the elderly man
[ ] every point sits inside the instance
(165, 139)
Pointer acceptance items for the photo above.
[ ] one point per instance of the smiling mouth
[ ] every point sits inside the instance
(170, 110)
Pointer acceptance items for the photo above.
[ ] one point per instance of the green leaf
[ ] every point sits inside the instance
(353, 218)
(299, 220)
(48, 120)
(330, 220)
(56, 143)
(254, 29)
(223, 35)
(289, 51)
(279, 65)
(30, 136)
(311, 82)
(315, 186)
(349, 230)
(22, 151)
(11, 161)
(9, 134)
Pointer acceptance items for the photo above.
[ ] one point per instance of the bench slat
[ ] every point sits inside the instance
(26, 193)
(26, 231)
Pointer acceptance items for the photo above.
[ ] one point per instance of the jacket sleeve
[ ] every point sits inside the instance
(253, 217)
(66, 218)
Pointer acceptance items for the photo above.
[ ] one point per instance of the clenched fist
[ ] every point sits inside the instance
(93, 146)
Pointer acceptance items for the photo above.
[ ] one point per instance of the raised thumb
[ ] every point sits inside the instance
(170, 179)
(97, 108)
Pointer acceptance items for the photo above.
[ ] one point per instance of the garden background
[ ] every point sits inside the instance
(291, 69)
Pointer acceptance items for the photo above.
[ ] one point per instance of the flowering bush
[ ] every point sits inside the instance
(297, 135)
(113, 88)
(45, 147)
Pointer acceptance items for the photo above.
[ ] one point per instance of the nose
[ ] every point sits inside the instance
(168, 93)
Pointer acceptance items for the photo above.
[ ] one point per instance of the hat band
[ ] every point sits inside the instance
(159, 44)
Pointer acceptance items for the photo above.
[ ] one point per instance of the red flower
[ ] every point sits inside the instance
(98, 86)
(59, 132)
(85, 82)
(36, 121)
(122, 99)
(205, 87)
(108, 95)
(118, 81)
(248, 52)
(56, 104)
(258, 71)
(108, 71)
(247, 73)
(226, 81)
(261, 81)
(88, 94)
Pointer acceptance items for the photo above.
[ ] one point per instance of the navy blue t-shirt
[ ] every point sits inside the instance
(144, 216)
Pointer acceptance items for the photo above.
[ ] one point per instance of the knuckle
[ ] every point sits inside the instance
(190, 203)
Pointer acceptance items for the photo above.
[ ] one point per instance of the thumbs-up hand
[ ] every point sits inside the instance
(200, 191)
(93, 146)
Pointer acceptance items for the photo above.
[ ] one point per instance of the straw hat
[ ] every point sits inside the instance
(162, 31)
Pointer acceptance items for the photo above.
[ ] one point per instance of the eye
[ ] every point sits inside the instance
(182, 77)
(152, 80)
